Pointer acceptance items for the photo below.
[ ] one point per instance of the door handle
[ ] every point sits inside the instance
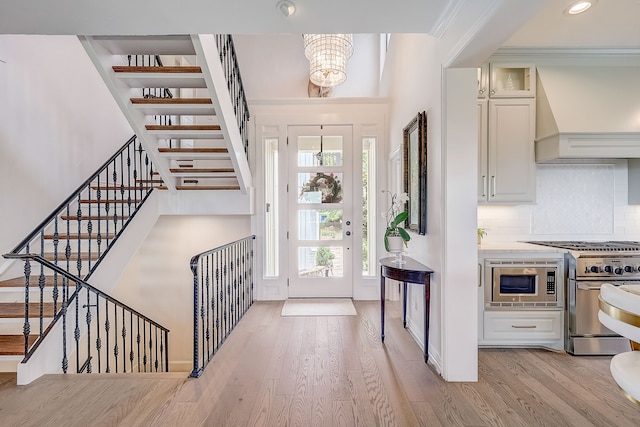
(348, 233)
(524, 326)
(493, 186)
(484, 186)
(584, 287)
(348, 222)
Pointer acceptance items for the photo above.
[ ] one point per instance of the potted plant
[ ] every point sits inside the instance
(396, 215)
(481, 233)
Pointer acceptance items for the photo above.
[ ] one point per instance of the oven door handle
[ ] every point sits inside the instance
(584, 287)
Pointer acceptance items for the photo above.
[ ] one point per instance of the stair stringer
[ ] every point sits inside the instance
(47, 359)
(103, 61)
(209, 59)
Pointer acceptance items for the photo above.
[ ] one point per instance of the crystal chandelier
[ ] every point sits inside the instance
(327, 55)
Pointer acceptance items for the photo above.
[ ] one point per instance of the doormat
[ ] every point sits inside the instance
(318, 307)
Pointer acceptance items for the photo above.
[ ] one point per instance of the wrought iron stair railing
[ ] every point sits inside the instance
(91, 219)
(119, 340)
(222, 294)
(229, 61)
(72, 241)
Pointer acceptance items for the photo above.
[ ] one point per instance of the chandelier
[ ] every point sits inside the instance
(327, 55)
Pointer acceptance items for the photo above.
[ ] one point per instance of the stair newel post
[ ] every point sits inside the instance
(116, 351)
(79, 231)
(205, 307)
(99, 217)
(138, 342)
(26, 328)
(89, 225)
(196, 327)
(124, 342)
(107, 327)
(76, 331)
(56, 291)
(88, 320)
(98, 337)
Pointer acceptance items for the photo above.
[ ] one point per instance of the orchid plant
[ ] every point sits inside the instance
(396, 215)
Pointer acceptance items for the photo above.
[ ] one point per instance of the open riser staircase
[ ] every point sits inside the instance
(183, 97)
(96, 333)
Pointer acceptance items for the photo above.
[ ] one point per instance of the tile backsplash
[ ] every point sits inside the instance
(573, 202)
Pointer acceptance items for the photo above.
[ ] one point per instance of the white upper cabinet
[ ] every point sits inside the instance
(509, 80)
(483, 81)
(506, 159)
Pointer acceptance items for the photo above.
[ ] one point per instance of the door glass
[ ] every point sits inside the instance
(320, 151)
(320, 224)
(320, 261)
(320, 187)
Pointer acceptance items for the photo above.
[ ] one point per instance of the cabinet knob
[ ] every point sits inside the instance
(493, 92)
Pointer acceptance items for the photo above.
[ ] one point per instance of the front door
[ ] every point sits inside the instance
(320, 199)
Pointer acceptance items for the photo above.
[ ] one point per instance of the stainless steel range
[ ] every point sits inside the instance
(589, 265)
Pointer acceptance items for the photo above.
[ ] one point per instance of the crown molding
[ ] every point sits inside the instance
(567, 54)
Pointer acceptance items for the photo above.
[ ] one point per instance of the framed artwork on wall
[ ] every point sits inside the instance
(415, 172)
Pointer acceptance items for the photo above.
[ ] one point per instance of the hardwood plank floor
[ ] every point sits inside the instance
(330, 371)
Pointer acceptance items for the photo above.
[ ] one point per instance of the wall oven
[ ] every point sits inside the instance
(524, 284)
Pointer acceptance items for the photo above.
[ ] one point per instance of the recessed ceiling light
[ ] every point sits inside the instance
(286, 8)
(579, 7)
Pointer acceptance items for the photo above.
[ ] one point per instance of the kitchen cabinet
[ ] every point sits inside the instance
(483, 81)
(523, 328)
(506, 153)
(512, 80)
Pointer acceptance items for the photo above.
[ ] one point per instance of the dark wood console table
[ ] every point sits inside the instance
(409, 272)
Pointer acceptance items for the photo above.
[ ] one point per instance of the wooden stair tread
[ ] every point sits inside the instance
(13, 345)
(18, 282)
(171, 101)
(92, 217)
(182, 127)
(109, 201)
(163, 69)
(151, 181)
(84, 256)
(193, 150)
(15, 310)
(202, 170)
(83, 236)
(202, 187)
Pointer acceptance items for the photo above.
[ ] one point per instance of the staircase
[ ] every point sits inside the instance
(183, 97)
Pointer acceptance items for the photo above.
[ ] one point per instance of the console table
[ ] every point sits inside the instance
(409, 272)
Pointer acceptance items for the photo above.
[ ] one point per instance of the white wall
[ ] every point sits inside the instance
(58, 124)
(415, 81)
(158, 281)
(274, 66)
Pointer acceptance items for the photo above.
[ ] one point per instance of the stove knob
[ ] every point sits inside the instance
(596, 269)
(608, 269)
(619, 270)
(628, 269)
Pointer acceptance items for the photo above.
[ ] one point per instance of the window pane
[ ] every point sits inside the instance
(272, 209)
(319, 187)
(320, 261)
(320, 151)
(324, 224)
(368, 206)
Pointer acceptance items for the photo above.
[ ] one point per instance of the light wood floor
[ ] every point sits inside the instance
(330, 371)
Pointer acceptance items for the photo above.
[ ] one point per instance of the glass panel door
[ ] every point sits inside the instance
(320, 211)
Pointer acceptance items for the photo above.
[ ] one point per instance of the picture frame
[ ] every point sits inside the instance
(415, 172)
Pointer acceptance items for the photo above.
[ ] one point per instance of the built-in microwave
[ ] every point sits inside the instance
(528, 284)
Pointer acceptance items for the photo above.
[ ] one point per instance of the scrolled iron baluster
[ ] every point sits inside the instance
(76, 331)
(26, 327)
(124, 343)
(79, 230)
(88, 318)
(116, 350)
(144, 346)
(138, 342)
(107, 327)
(65, 304)
(131, 353)
(98, 338)
(155, 329)
(205, 307)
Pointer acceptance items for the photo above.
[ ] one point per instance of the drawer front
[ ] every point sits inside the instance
(523, 326)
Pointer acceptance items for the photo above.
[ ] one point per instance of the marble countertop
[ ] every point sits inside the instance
(516, 248)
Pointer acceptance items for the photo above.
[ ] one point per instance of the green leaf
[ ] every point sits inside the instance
(386, 241)
(405, 236)
(401, 217)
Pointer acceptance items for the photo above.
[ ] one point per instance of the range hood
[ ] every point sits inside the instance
(587, 113)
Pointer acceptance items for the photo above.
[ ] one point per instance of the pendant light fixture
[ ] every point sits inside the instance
(327, 55)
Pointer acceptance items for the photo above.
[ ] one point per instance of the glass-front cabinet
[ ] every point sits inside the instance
(508, 80)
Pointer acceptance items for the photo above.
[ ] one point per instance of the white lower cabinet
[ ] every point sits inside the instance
(523, 328)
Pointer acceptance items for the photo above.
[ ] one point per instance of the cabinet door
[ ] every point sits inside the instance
(512, 80)
(483, 161)
(511, 150)
(483, 81)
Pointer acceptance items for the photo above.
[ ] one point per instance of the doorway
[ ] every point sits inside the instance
(320, 201)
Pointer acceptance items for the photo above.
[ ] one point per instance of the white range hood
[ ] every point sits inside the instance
(587, 113)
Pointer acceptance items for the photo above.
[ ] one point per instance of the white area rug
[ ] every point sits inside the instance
(318, 307)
